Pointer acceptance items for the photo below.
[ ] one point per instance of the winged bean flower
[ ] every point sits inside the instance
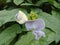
(36, 26)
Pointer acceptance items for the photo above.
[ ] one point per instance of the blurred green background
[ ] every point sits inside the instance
(12, 33)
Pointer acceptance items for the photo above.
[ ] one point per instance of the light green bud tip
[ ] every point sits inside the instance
(32, 16)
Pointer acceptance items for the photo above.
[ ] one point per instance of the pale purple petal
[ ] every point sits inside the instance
(17, 15)
(39, 24)
(29, 25)
(38, 34)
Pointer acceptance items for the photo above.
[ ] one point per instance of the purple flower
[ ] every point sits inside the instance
(36, 26)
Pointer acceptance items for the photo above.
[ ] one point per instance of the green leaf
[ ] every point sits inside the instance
(25, 39)
(57, 37)
(40, 2)
(17, 2)
(30, 1)
(56, 14)
(50, 1)
(51, 22)
(7, 16)
(9, 34)
(7, 1)
(29, 39)
(1, 1)
(26, 4)
(50, 36)
(56, 4)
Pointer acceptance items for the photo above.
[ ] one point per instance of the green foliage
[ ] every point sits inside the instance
(7, 16)
(25, 39)
(56, 4)
(7, 1)
(9, 34)
(12, 33)
(51, 22)
(17, 2)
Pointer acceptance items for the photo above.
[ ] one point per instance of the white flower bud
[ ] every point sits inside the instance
(21, 17)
